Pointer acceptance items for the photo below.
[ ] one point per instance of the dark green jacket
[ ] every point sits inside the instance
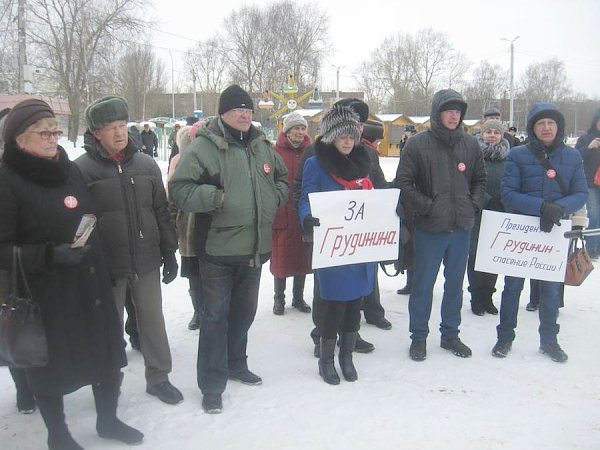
(238, 188)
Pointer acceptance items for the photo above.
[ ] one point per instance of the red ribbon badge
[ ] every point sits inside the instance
(551, 173)
(461, 167)
(71, 202)
(267, 168)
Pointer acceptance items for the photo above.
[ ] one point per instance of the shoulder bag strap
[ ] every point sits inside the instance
(544, 161)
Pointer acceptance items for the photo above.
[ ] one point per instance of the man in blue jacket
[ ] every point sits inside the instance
(551, 191)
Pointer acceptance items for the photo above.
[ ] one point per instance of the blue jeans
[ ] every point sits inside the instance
(430, 250)
(550, 296)
(593, 210)
(230, 298)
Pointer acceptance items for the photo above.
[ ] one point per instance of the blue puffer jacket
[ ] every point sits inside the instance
(525, 184)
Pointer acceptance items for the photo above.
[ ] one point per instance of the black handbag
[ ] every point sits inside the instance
(22, 336)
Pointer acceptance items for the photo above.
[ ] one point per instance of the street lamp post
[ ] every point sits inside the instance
(512, 78)
(337, 82)
(172, 86)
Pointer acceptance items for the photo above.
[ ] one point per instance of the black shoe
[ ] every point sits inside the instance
(456, 346)
(532, 306)
(246, 377)
(404, 291)
(301, 305)
(501, 349)
(195, 322)
(382, 323)
(554, 352)
(278, 307)
(418, 350)
(135, 343)
(120, 431)
(166, 392)
(477, 308)
(26, 403)
(363, 346)
(212, 403)
(63, 441)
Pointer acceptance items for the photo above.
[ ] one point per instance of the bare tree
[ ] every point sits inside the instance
(546, 81)
(208, 65)
(68, 35)
(9, 74)
(487, 84)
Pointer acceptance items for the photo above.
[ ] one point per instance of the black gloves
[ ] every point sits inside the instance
(170, 268)
(65, 255)
(309, 223)
(551, 215)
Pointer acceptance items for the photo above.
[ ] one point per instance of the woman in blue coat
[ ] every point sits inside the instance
(339, 163)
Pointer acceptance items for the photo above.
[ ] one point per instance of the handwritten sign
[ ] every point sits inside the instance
(512, 244)
(356, 226)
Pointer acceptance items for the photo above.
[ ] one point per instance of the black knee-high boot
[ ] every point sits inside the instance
(53, 413)
(195, 322)
(279, 298)
(298, 292)
(326, 366)
(347, 343)
(25, 400)
(108, 425)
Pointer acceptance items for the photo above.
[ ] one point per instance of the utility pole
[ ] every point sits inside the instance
(337, 85)
(512, 78)
(172, 86)
(194, 84)
(22, 44)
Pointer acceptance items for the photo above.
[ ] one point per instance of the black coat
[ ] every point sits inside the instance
(78, 309)
(150, 140)
(591, 158)
(133, 217)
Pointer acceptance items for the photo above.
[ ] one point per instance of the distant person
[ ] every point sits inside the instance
(530, 188)
(442, 178)
(173, 142)
(135, 136)
(135, 229)
(340, 163)
(290, 257)
(233, 181)
(513, 132)
(149, 141)
(493, 113)
(589, 147)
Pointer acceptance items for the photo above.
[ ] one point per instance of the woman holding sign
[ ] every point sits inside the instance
(339, 163)
(43, 198)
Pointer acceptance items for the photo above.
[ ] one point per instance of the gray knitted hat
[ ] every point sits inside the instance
(105, 110)
(293, 119)
(339, 121)
(491, 111)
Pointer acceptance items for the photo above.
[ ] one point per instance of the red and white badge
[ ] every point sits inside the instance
(461, 167)
(267, 168)
(71, 202)
(551, 173)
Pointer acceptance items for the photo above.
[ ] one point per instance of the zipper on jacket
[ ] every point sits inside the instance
(130, 226)
(137, 209)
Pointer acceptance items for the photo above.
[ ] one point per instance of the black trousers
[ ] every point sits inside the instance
(341, 316)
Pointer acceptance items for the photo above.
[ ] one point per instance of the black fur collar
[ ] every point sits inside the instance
(356, 165)
(39, 170)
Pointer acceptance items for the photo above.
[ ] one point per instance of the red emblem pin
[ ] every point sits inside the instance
(267, 168)
(551, 173)
(461, 167)
(71, 202)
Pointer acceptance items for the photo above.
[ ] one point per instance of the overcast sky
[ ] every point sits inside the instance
(546, 29)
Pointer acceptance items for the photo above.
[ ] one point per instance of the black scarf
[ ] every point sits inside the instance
(45, 172)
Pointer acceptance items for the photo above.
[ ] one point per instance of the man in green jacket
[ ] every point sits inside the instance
(234, 181)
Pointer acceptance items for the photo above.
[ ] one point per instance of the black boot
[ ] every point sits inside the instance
(279, 298)
(477, 303)
(108, 425)
(25, 399)
(195, 322)
(317, 341)
(326, 367)
(347, 343)
(298, 292)
(406, 289)
(52, 410)
(488, 304)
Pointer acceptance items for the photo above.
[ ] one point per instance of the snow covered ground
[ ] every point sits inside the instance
(525, 401)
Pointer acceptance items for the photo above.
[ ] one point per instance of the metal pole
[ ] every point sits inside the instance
(512, 78)
(194, 83)
(172, 86)
(337, 86)
(22, 44)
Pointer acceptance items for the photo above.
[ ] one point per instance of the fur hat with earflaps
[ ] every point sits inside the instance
(339, 121)
(105, 110)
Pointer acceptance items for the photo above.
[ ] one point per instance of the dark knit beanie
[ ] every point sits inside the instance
(491, 111)
(453, 105)
(23, 115)
(339, 121)
(105, 110)
(234, 97)
(356, 105)
(372, 130)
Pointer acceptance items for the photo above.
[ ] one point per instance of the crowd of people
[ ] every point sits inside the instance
(234, 201)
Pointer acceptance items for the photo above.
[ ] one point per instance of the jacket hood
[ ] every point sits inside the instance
(216, 132)
(593, 130)
(539, 111)
(443, 134)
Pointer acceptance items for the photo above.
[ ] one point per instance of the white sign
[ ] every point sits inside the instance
(512, 244)
(356, 226)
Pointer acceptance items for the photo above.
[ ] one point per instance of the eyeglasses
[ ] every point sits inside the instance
(242, 111)
(45, 135)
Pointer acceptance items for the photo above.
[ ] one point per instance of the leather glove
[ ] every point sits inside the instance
(65, 255)
(551, 215)
(170, 268)
(309, 223)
